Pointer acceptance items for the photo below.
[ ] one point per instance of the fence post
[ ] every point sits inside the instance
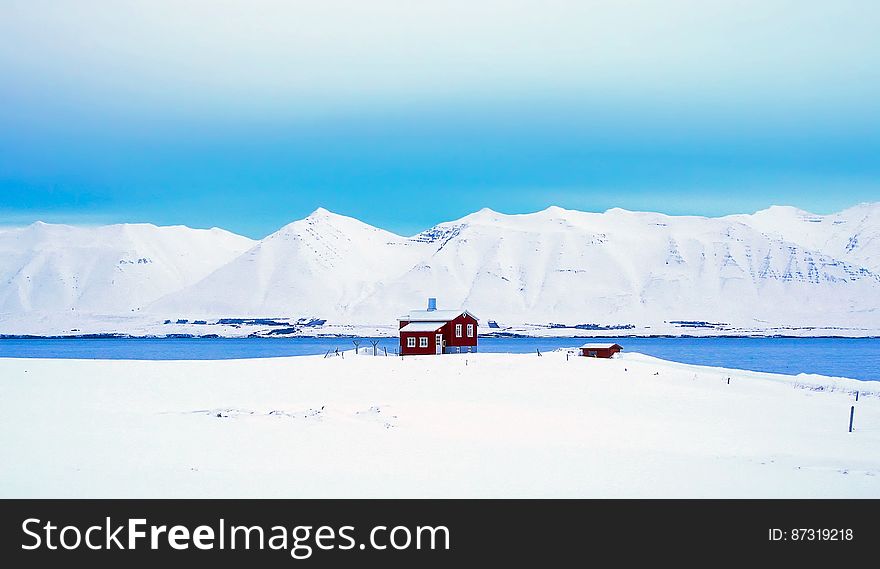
(852, 411)
(857, 396)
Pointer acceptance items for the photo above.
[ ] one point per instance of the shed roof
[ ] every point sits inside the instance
(422, 326)
(595, 346)
(435, 315)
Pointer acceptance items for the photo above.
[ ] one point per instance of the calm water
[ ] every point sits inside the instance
(856, 358)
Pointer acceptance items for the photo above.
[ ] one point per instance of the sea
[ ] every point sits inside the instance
(857, 358)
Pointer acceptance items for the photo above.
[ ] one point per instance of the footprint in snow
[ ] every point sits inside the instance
(223, 413)
(307, 414)
(377, 415)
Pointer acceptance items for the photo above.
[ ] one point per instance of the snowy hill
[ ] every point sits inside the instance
(777, 269)
(115, 269)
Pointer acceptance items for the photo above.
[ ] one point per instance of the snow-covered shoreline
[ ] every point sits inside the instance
(477, 425)
(140, 327)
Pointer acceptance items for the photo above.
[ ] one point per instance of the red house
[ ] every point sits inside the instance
(600, 350)
(433, 331)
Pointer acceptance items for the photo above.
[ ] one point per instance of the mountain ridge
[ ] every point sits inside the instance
(780, 265)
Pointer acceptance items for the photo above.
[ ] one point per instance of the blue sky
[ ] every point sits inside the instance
(248, 115)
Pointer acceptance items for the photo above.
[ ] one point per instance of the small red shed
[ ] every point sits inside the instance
(433, 331)
(600, 350)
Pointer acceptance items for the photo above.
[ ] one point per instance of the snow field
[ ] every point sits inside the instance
(477, 425)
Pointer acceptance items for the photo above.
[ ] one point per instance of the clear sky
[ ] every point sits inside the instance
(250, 114)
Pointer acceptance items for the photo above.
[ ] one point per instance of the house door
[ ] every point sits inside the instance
(438, 343)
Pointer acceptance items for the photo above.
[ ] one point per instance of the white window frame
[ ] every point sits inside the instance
(458, 330)
(411, 342)
(423, 341)
(470, 330)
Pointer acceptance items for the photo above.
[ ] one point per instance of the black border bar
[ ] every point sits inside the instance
(507, 532)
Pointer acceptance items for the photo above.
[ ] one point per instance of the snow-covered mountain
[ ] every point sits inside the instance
(778, 266)
(775, 268)
(113, 270)
(852, 235)
(625, 267)
(323, 265)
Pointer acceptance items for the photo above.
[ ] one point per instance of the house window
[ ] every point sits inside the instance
(470, 330)
(458, 330)
(423, 342)
(411, 342)
(592, 354)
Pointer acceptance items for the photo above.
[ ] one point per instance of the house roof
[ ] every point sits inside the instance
(600, 346)
(422, 326)
(435, 315)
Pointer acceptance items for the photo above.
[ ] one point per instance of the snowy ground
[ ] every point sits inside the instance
(486, 425)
